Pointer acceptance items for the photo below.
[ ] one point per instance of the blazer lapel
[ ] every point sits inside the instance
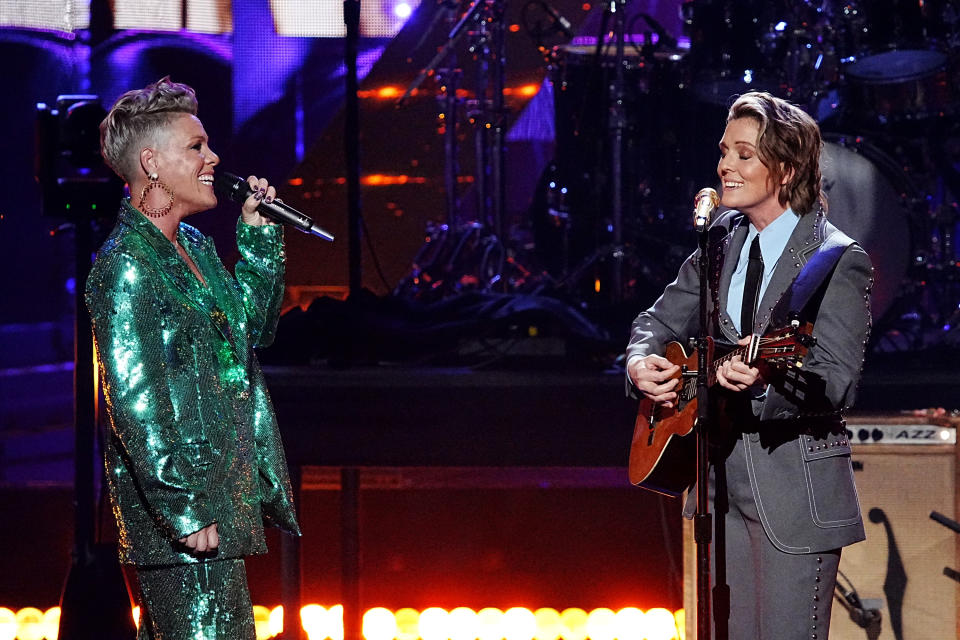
(731, 253)
(804, 242)
(175, 270)
(213, 300)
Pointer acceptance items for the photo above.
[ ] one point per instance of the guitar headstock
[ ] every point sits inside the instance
(786, 347)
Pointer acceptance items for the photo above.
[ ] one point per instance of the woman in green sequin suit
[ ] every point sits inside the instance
(194, 461)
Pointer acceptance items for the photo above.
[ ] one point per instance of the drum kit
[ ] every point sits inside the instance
(881, 77)
(637, 107)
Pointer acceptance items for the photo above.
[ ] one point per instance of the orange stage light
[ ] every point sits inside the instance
(389, 92)
(434, 623)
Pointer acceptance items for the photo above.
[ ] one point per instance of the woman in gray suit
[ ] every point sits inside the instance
(782, 484)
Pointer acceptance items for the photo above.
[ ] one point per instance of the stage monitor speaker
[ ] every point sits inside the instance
(907, 567)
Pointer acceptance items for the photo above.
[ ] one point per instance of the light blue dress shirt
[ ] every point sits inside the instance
(773, 239)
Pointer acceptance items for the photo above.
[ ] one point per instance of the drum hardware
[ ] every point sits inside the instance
(899, 200)
(468, 257)
(898, 60)
(662, 133)
(542, 22)
(618, 9)
(487, 113)
(876, 198)
(483, 25)
(931, 310)
(590, 192)
(727, 54)
(449, 80)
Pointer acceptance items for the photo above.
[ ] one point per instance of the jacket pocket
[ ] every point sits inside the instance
(829, 477)
(197, 454)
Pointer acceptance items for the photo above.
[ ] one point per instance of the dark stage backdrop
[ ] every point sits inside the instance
(270, 92)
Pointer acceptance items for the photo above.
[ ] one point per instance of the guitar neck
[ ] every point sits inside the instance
(782, 348)
(747, 352)
(741, 351)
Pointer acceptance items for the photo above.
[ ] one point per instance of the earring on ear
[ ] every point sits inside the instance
(155, 183)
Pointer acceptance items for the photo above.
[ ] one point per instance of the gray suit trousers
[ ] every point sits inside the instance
(776, 595)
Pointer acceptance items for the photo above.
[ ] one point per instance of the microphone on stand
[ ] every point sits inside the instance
(237, 189)
(704, 203)
(562, 24)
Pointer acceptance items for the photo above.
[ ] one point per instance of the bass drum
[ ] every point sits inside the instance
(868, 198)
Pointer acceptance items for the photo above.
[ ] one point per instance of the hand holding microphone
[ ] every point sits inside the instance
(237, 189)
(262, 192)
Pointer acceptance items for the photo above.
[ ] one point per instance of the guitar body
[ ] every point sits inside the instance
(664, 447)
(663, 453)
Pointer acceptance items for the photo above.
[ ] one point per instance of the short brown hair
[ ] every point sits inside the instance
(789, 140)
(140, 115)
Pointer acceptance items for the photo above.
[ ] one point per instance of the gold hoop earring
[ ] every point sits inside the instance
(154, 184)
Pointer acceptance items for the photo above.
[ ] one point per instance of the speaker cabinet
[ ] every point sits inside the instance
(905, 468)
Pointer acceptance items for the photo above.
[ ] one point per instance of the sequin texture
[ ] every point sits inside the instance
(204, 601)
(193, 436)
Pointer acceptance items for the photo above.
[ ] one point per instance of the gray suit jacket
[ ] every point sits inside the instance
(797, 449)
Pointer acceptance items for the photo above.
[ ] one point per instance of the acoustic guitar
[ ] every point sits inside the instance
(663, 451)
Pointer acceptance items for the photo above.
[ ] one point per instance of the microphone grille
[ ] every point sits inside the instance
(226, 183)
(710, 193)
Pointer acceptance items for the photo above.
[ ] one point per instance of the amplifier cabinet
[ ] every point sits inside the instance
(905, 468)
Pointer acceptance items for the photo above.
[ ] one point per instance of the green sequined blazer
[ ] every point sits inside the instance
(193, 438)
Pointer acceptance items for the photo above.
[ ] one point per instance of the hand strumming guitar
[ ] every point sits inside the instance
(653, 376)
(737, 375)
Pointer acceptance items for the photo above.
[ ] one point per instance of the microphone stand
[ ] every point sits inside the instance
(479, 115)
(499, 150)
(351, 18)
(449, 78)
(453, 39)
(702, 519)
(617, 126)
(487, 114)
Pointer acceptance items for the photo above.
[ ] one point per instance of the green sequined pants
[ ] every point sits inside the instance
(204, 601)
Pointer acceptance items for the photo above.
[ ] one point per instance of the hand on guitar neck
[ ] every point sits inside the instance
(737, 375)
(661, 453)
(657, 378)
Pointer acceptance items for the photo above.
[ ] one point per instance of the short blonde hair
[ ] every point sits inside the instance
(789, 140)
(138, 116)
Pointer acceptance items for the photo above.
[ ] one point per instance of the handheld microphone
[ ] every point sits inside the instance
(704, 203)
(237, 189)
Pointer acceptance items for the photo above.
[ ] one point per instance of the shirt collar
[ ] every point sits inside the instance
(774, 237)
